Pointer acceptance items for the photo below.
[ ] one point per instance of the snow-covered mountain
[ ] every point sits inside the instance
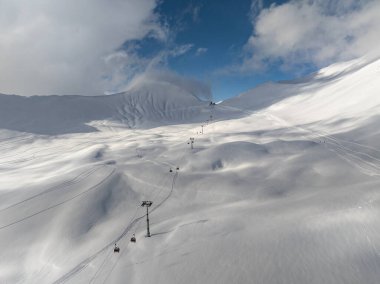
(144, 105)
(281, 187)
(343, 90)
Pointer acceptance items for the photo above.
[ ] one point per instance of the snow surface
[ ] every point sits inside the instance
(282, 187)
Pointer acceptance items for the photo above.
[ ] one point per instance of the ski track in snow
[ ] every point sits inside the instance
(94, 187)
(85, 174)
(258, 216)
(82, 265)
(354, 157)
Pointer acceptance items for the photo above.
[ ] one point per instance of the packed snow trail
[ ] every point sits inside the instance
(85, 174)
(32, 156)
(82, 265)
(109, 253)
(133, 221)
(4, 226)
(351, 156)
(356, 158)
(119, 254)
(151, 211)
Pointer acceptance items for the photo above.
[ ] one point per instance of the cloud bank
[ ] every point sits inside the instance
(72, 46)
(316, 32)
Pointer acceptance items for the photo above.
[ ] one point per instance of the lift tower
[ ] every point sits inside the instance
(147, 204)
(191, 142)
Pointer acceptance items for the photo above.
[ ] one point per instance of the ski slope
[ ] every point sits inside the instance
(281, 187)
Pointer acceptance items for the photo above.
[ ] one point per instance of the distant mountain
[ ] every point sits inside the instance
(144, 105)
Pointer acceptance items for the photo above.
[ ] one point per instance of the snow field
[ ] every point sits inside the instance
(280, 189)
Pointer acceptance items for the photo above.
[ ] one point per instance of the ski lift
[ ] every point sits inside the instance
(133, 239)
(116, 249)
(170, 170)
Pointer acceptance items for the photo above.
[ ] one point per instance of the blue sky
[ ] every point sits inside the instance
(236, 45)
(217, 31)
(96, 47)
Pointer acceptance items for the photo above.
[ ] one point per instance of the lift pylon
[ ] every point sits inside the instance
(147, 204)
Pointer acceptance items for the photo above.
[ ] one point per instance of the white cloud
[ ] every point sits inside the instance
(125, 65)
(313, 31)
(256, 7)
(180, 50)
(201, 50)
(71, 46)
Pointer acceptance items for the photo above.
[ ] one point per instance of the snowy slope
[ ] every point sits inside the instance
(342, 91)
(282, 187)
(143, 106)
(156, 103)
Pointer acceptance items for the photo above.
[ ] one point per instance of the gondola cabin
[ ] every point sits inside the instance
(133, 239)
(116, 249)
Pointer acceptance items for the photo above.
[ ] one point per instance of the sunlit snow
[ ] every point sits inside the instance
(282, 186)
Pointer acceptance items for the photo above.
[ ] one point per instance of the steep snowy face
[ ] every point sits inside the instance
(336, 94)
(146, 105)
(341, 92)
(159, 103)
